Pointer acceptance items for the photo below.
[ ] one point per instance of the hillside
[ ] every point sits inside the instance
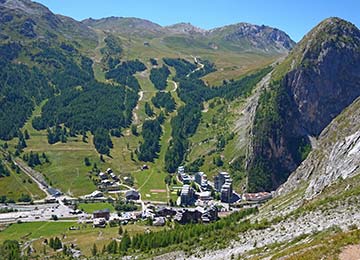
(308, 89)
(72, 62)
(315, 214)
(99, 114)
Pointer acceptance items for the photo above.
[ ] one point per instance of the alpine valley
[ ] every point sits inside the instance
(124, 139)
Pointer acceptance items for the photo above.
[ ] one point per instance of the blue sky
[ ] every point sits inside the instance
(295, 17)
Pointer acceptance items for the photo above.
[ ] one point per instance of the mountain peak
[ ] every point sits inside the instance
(185, 28)
(309, 88)
(255, 36)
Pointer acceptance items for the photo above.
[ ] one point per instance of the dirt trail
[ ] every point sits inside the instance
(350, 253)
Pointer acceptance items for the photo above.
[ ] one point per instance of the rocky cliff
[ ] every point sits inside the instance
(336, 156)
(254, 37)
(312, 86)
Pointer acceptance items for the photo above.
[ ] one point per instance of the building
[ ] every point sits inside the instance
(54, 192)
(185, 216)
(102, 176)
(226, 192)
(187, 195)
(209, 214)
(165, 212)
(220, 179)
(186, 179)
(201, 179)
(109, 170)
(114, 177)
(105, 214)
(183, 176)
(205, 196)
(132, 195)
(159, 221)
(181, 169)
(94, 194)
(257, 197)
(99, 222)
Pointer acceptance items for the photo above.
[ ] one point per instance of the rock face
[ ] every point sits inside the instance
(324, 78)
(255, 36)
(185, 28)
(336, 157)
(35, 21)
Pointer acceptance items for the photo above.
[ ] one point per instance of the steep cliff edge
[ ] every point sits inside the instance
(337, 157)
(318, 79)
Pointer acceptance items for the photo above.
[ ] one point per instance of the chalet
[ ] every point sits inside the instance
(257, 197)
(185, 216)
(165, 212)
(54, 192)
(132, 195)
(106, 182)
(148, 213)
(105, 214)
(114, 188)
(113, 176)
(159, 221)
(102, 176)
(95, 194)
(99, 222)
(144, 167)
(209, 214)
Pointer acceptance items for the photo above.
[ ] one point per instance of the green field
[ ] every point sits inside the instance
(84, 238)
(91, 207)
(31, 230)
(19, 183)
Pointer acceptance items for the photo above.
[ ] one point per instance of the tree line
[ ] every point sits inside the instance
(190, 234)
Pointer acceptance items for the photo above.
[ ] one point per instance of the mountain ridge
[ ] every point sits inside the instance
(302, 100)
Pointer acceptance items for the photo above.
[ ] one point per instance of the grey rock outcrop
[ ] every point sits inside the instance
(336, 157)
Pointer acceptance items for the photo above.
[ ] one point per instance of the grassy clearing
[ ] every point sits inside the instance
(31, 230)
(149, 180)
(91, 207)
(84, 238)
(19, 183)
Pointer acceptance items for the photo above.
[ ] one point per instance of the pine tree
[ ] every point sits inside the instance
(112, 247)
(51, 243)
(121, 231)
(94, 250)
(125, 242)
(26, 135)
